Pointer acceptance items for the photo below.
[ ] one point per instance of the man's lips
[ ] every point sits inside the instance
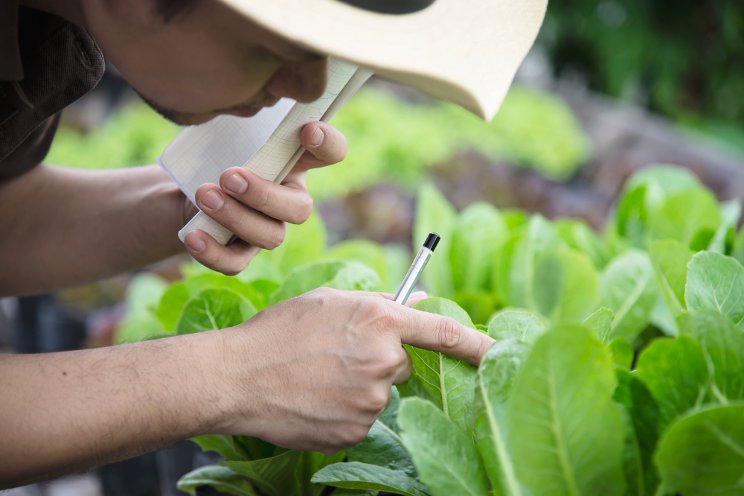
(253, 109)
(244, 111)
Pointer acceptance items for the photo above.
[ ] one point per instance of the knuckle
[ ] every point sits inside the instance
(378, 399)
(448, 333)
(303, 210)
(265, 197)
(275, 237)
(233, 269)
(354, 435)
(380, 315)
(388, 365)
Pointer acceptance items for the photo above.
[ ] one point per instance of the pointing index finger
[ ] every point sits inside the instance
(443, 334)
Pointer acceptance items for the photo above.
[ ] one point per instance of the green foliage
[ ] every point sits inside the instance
(703, 453)
(446, 458)
(582, 393)
(447, 382)
(562, 445)
(685, 65)
(214, 309)
(140, 322)
(136, 135)
(389, 139)
(392, 140)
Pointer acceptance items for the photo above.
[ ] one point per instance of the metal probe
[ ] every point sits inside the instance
(422, 258)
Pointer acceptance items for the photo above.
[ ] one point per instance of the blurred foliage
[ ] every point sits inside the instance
(391, 140)
(388, 139)
(682, 58)
(135, 135)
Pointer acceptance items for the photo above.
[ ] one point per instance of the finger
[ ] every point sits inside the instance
(251, 226)
(414, 297)
(324, 145)
(229, 260)
(404, 371)
(443, 334)
(281, 202)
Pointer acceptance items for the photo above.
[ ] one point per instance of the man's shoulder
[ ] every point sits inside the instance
(61, 62)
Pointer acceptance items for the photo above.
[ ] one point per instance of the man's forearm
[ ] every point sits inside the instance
(70, 411)
(64, 227)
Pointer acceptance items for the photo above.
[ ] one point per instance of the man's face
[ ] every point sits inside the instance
(206, 62)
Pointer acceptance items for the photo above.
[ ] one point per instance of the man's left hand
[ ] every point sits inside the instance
(255, 209)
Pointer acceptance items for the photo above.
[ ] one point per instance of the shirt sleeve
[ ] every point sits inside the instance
(30, 152)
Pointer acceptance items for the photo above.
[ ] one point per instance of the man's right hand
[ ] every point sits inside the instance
(314, 372)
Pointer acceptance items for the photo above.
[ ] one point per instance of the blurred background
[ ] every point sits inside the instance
(610, 87)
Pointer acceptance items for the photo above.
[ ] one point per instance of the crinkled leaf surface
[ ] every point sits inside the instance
(566, 435)
(495, 379)
(346, 275)
(516, 323)
(702, 453)
(214, 309)
(445, 457)
(358, 475)
(175, 297)
(447, 382)
(716, 282)
(629, 290)
(287, 473)
(380, 462)
(223, 479)
(723, 346)
(224, 445)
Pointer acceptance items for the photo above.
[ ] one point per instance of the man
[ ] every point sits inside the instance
(310, 373)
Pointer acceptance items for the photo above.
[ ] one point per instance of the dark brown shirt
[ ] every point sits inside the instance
(46, 63)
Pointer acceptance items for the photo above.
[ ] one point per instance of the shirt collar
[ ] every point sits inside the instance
(11, 68)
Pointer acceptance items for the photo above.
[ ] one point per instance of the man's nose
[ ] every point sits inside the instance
(302, 81)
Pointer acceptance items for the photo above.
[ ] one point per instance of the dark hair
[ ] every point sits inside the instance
(170, 9)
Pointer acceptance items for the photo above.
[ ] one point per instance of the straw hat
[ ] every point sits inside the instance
(464, 51)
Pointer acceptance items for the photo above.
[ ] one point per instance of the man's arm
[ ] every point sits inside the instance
(64, 227)
(71, 411)
(310, 373)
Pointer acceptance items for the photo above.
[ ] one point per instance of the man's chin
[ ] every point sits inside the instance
(176, 117)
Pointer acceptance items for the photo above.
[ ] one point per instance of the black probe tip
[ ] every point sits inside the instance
(432, 240)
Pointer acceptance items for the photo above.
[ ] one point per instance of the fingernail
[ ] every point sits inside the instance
(195, 243)
(236, 184)
(317, 137)
(213, 200)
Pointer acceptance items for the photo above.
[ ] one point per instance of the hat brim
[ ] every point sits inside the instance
(464, 51)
